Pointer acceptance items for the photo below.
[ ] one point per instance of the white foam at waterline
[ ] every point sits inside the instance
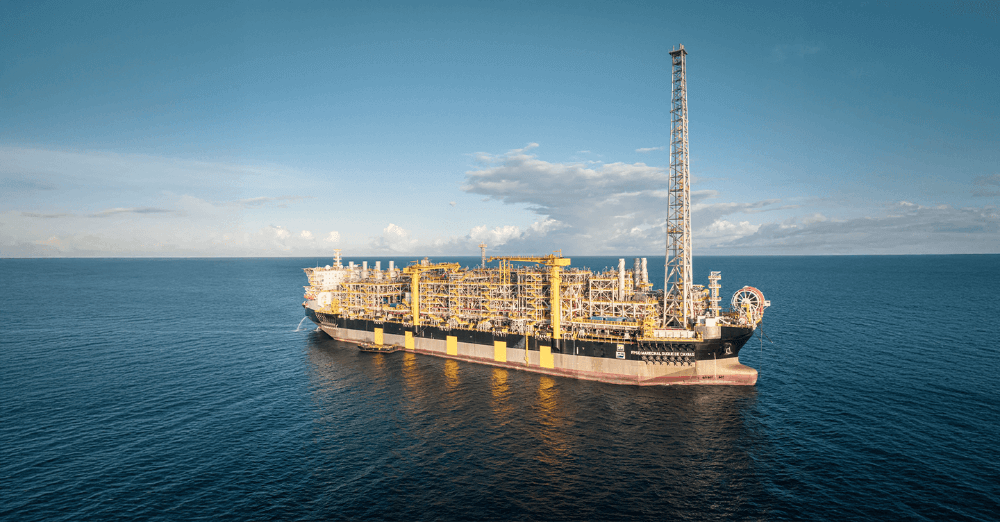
(299, 327)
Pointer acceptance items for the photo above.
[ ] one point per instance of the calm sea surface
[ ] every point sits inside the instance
(185, 390)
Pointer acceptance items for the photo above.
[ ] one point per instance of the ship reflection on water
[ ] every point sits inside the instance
(501, 405)
(551, 426)
(451, 375)
(427, 436)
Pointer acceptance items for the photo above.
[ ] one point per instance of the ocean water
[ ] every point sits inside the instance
(187, 389)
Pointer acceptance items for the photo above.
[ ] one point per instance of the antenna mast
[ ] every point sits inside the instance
(677, 303)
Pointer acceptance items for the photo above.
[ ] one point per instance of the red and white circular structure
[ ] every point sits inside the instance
(749, 303)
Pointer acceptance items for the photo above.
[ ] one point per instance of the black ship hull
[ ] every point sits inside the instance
(674, 361)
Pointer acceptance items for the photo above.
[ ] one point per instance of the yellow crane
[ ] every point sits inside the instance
(555, 264)
(414, 272)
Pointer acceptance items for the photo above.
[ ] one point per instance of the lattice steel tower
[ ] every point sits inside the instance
(678, 307)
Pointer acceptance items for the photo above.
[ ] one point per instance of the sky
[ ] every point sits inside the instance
(294, 128)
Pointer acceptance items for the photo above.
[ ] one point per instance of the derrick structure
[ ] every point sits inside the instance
(678, 303)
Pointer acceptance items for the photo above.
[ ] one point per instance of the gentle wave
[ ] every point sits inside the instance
(173, 390)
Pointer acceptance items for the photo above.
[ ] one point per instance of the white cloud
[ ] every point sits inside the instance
(649, 149)
(727, 227)
(82, 236)
(394, 239)
(280, 232)
(722, 230)
(593, 209)
(99, 204)
(547, 225)
(103, 203)
(496, 236)
(904, 228)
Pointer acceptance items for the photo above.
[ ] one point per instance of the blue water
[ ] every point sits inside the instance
(183, 390)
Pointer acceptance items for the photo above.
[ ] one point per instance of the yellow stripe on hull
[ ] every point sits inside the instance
(500, 351)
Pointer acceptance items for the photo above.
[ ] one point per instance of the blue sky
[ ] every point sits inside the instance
(292, 128)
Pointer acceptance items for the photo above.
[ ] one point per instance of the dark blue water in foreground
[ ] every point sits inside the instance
(181, 390)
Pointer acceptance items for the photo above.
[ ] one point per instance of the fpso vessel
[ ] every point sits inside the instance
(538, 313)
(548, 318)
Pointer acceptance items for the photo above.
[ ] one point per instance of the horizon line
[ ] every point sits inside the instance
(478, 257)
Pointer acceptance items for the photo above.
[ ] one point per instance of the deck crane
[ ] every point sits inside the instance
(555, 264)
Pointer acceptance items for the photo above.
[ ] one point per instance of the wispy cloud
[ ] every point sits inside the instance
(23, 184)
(704, 213)
(904, 228)
(99, 171)
(44, 216)
(265, 200)
(772, 209)
(142, 210)
(781, 53)
(986, 186)
(649, 149)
